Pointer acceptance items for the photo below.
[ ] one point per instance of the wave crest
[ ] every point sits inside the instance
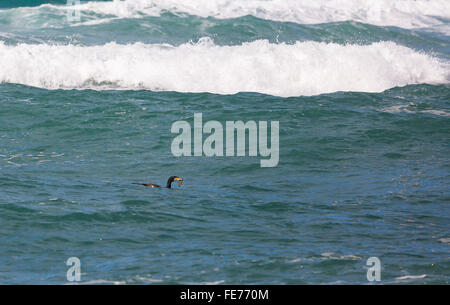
(303, 68)
(405, 13)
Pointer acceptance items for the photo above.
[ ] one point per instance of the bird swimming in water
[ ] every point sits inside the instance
(168, 185)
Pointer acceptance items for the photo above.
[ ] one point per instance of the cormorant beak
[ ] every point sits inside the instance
(180, 180)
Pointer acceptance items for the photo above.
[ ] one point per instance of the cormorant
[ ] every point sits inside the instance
(168, 185)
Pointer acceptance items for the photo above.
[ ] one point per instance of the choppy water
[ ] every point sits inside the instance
(361, 93)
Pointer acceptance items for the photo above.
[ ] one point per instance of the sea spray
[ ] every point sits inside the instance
(303, 68)
(405, 13)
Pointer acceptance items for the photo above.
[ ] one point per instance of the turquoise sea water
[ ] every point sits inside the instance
(363, 107)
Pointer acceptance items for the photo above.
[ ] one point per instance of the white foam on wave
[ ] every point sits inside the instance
(445, 240)
(405, 108)
(303, 68)
(332, 255)
(411, 277)
(404, 13)
(98, 282)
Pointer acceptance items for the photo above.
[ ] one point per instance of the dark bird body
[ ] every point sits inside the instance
(168, 185)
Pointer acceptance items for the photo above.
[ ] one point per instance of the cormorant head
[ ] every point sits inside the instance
(174, 178)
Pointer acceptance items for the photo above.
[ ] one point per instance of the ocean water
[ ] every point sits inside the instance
(360, 89)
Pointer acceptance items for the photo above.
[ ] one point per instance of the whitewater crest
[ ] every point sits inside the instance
(405, 13)
(303, 68)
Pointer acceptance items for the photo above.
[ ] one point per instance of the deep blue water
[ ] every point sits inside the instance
(86, 108)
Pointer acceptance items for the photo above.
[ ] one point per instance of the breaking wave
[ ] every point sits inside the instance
(406, 13)
(303, 68)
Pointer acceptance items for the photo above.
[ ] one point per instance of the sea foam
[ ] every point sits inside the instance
(405, 13)
(303, 68)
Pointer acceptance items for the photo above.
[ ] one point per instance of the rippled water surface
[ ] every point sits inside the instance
(86, 109)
